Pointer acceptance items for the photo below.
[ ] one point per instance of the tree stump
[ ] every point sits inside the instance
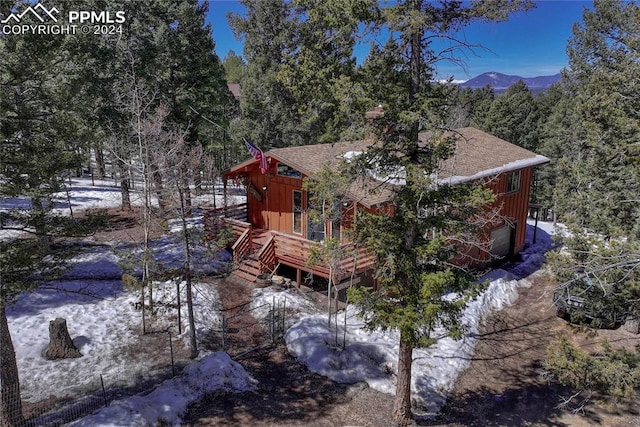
(60, 344)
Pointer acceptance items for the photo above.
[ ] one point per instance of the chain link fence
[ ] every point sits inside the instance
(247, 328)
(244, 330)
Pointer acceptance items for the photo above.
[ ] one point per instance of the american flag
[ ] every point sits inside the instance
(258, 155)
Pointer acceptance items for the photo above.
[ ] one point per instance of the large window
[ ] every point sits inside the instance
(297, 212)
(286, 170)
(513, 181)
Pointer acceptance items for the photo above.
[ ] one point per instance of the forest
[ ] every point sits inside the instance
(151, 104)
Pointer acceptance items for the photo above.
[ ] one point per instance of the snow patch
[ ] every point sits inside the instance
(168, 402)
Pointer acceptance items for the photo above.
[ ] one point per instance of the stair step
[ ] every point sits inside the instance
(249, 269)
(245, 276)
(251, 257)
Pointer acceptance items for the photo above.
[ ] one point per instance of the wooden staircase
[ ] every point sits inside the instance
(251, 265)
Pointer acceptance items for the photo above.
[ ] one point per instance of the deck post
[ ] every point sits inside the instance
(298, 277)
(224, 194)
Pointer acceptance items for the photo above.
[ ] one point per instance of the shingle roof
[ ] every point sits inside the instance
(234, 88)
(310, 159)
(477, 155)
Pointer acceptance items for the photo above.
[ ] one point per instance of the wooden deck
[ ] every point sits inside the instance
(258, 251)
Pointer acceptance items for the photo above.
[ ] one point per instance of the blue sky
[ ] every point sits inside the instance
(530, 44)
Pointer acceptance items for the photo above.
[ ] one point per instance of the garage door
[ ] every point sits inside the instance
(501, 241)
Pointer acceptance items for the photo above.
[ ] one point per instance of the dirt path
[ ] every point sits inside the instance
(287, 393)
(505, 386)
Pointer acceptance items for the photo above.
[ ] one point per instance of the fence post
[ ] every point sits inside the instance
(273, 325)
(284, 314)
(179, 307)
(104, 393)
(173, 369)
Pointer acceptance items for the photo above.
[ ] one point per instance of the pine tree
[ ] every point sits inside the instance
(513, 116)
(267, 116)
(233, 66)
(604, 62)
(595, 133)
(299, 86)
(38, 130)
(414, 245)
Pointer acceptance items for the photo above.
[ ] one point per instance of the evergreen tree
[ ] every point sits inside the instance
(299, 85)
(384, 75)
(470, 106)
(233, 66)
(480, 103)
(513, 116)
(168, 46)
(604, 60)
(38, 131)
(598, 182)
(268, 115)
(414, 246)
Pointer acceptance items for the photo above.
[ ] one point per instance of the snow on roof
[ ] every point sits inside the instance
(508, 167)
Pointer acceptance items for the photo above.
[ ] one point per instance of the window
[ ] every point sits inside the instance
(335, 229)
(513, 182)
(286, 170)
(315, 230)
(297, 212)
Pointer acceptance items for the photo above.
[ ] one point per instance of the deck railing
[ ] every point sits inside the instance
(267, 256)
(242, 247)
(286, 249)
(215, 219)
(296, 251)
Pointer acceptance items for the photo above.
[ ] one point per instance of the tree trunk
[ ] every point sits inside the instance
(10, 402)
(402, 405)
(193, 343)
(40, 223)
(160, 191)
(100, 170)
(60, 343)
(124, 186)
(197, 181)
(188, 205)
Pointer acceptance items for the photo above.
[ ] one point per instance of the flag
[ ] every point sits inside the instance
(258, 155)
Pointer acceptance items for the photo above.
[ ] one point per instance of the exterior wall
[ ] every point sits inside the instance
(274, 211)
(514, 205)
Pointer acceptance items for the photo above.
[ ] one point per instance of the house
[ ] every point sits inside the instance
(234, 88)
(274, 230)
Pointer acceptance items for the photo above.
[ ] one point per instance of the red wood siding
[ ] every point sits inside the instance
(275, 210)
(514, 205)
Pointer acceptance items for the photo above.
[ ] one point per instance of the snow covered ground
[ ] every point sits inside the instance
(101, 314)
(372, 356)
(104, 324)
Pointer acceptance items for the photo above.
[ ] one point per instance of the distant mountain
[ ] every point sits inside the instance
(501, 82)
